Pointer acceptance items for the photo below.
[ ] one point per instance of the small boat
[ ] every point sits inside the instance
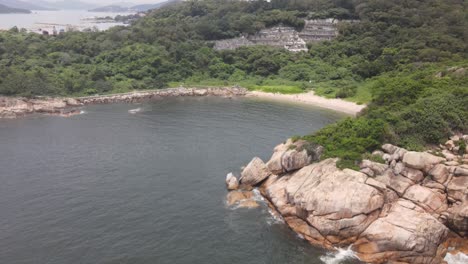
(134, 111)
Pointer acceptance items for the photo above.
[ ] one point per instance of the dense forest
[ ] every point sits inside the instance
(406, 58)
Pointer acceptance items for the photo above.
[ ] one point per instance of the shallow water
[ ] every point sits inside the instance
(112, 186)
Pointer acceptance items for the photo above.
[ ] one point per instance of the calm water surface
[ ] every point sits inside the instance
(35, 20)
(113, 187)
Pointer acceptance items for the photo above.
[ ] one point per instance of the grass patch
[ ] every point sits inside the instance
(283, 89)
(253, 84)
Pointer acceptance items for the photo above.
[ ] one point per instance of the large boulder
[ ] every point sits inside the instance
(407, 233)
(431, 201)
(421, 160)
(458, 219)
(413, 174)
(377, 168)
(397, 183)
(255, 172)
(395, 153)
(231, 182)
(291, 156)
(439, 173)
(337, 203)
(457, 188)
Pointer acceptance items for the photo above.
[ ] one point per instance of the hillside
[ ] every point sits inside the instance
(406, 59)
(9, 10)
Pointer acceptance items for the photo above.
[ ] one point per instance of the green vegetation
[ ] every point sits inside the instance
(398, 58)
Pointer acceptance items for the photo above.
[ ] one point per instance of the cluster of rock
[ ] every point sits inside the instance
(163, 93)
(285, 37)
(404, 210)
(13, 107)
(19, 107)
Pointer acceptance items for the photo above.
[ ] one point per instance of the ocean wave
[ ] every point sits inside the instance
(339, 256)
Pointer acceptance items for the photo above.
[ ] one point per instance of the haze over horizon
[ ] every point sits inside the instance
(108, 2)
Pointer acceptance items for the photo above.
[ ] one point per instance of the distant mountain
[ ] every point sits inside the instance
(146, 7)
(11, 10)
(123, 7)
(111, 8)
(23, 5)
(71, 5)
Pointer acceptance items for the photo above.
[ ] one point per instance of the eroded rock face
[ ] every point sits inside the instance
(338, 204)
(458, 218)
(398, 212)
(406, 233)
(18, 107)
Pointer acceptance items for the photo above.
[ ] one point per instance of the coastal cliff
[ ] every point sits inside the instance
(411, 208)
(14, 107)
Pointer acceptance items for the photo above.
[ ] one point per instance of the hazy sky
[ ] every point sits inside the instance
(105, 2)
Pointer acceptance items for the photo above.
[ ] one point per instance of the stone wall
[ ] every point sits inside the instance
(285, 37)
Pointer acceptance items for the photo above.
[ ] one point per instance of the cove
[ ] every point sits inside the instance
(110, 186)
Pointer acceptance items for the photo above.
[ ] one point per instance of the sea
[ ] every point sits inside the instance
(38, 21)
(144, 183)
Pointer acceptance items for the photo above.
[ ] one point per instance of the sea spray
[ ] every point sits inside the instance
(339, 256)
(458, 258)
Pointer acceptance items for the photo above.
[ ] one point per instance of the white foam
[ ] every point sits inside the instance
(458, 258)
(257, 196)
(82, 112)
(274, 218)
(134, 111)
(339, 256)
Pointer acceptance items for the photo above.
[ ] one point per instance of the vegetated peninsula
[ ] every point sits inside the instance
(406, 60)
(10, 10)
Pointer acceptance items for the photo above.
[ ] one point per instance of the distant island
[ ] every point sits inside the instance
(11, 10)
(25, 5)
(110, 8)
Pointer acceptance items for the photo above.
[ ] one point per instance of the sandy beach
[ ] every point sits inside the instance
(312, 99)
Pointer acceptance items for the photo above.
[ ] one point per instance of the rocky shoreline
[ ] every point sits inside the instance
(14, 107)
(410, 207)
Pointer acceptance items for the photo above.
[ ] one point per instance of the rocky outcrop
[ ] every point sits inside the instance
(18, 107)
(163, 93)
(291, 156)
(231, 182)
(241, 199)
(255, 172)
(400, 211)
